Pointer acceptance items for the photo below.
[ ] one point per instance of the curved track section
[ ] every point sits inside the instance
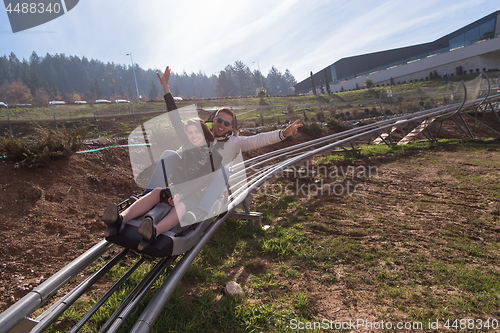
(253, 173)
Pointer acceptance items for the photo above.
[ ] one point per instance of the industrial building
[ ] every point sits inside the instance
(471, 49)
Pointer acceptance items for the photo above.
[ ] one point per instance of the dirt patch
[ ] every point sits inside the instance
(52, 215)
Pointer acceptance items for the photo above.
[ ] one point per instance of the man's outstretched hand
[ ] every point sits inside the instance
(292, 129)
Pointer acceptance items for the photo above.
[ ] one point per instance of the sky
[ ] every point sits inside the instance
(206, 36)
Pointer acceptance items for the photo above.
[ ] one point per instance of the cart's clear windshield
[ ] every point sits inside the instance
(156, 158)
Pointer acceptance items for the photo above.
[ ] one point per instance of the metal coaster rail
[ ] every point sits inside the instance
(254, 172)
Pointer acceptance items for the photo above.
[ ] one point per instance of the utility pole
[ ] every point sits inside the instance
(260, 74)
(135, 78)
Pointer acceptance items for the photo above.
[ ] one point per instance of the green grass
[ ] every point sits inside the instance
(373, 150)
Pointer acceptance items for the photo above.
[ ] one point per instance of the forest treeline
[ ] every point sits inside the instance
(38, 80)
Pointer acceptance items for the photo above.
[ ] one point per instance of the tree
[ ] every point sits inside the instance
(4, 70)
(61, 75)
(95, 91)
(41, 97)
(400, 99)
(131, 91)
(289, 81)
(35, 81)
(25, 74)
(368, 82)
(275, 81)
(3, 92)
(312, 84)
(243, 77)
(320, 115)
(278, 83)
(121, 93)
(15, 67)
(110, 82)
(153, 91)
(328, 91)
(71, 98)
(17, 93)
(225, 85)
(258, 80)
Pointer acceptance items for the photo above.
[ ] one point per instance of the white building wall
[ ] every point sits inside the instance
(485, 54)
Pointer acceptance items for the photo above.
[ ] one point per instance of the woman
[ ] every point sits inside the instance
(186, 184)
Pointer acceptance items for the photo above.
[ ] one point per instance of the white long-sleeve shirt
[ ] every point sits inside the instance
(231, 149)
(234, 144)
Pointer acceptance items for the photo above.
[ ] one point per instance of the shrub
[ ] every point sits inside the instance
(248, 124)
(366, 122)
(332, 111)
(312, 129)
(40, 148)
(320, 115)
(261, 92)
(270, 128)
(368, 82)
(337, 125)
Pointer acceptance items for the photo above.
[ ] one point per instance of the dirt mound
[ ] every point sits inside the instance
(52, 215)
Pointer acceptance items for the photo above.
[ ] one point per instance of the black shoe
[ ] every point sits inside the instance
(197, 215)
(148, 233)
(112, 219)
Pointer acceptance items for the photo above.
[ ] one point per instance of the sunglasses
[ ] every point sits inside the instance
(220, 121)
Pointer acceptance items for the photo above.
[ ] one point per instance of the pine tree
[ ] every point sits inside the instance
(327, 83)
(153, 90)
(95, 91)
(312, 84)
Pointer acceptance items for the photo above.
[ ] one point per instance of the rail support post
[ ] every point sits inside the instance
(246, 214)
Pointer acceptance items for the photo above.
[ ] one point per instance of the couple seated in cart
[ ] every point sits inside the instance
(188, 186)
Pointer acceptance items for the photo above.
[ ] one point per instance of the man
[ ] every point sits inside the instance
(223, 124)
(228, 145)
